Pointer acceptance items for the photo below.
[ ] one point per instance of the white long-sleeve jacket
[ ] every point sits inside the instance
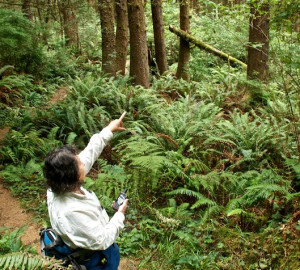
(79, 219)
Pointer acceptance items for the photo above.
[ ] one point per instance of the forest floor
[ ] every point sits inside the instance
(14, 216)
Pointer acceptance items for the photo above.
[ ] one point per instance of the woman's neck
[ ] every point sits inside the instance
(79, 191)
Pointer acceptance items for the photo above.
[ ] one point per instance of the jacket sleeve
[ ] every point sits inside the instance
(84, 230)
(94, 148)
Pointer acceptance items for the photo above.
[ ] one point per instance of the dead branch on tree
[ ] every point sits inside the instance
(204, 46)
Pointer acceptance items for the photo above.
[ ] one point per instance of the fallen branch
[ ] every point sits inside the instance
(200, 44)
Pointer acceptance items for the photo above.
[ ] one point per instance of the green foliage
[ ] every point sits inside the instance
(21, 90)
(10, 241)
(28, 261)
(21, 146)
(244, 143)
(18, 45)
(59, 63)
(27, 182)
(108, 184)
(211, 165)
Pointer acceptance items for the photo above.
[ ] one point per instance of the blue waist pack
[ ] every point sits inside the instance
(53, 246)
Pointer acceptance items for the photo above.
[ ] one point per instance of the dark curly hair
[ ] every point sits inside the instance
(61, 170)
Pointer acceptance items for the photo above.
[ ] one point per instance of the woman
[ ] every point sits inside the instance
(75, 213)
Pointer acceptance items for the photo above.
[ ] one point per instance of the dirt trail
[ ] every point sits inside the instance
(59, 95)
(3, 132)
(13, 216)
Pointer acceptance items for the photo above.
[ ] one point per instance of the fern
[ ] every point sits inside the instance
(233, 204)
(185, 191)
(3, 69)
(27, 261)
(243, 141)
(209, 213)
(52, 134)
(21, 146)
(71, 138)
(236, 212)
(294, 165)
(201, 199)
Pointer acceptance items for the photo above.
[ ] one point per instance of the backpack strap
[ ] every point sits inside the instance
(54, 239)
(51, 243)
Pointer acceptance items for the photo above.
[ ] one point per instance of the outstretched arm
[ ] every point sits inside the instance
(98, 141)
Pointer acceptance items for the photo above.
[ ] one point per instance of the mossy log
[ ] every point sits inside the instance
(204, 46)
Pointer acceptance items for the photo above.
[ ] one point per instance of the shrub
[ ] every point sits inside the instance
(18, 45)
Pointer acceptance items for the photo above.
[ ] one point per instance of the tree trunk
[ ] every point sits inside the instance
(26, 9)
(204, 46)
(93, 4)
(159, 39)
(196, 6)
(139, 68)
(121, 35)
(49, 9)
(70, 25)
(184, 47)
(107, 15)
(259, 37)
(61, 20)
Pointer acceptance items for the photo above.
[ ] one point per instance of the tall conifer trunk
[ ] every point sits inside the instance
(107, 15)
(184, 47)
(26, 9)
(159, 39)
(122, 35)
(259, 37)
(93, 4)
(196, 6)
(139, 68)
(70, 25)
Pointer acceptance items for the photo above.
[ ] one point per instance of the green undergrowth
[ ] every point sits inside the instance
(211, 166)
(210, 186)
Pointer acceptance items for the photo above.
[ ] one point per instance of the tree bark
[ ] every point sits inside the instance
(122, 35)
(196, 6)
(258, 50)
(26, 9)
(93, 4)
(204, 46)
(48, 11)
(70, 25)
(159, 39)
(184, 47)
(107, 15)
(139, 68)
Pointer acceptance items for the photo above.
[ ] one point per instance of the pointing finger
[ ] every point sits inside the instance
(122, 116)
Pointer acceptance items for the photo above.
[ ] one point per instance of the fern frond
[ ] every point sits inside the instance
(3, 69)
(12, 155)
(52, 133)
(168, 138)
(71, 138)
(236, 212)
(232, 205)
(153, 162)
(28, 261)
(209, 212)
(294, 165)
(203, 201)
(188, 192)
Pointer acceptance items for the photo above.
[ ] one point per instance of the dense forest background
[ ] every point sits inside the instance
(211, 152)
